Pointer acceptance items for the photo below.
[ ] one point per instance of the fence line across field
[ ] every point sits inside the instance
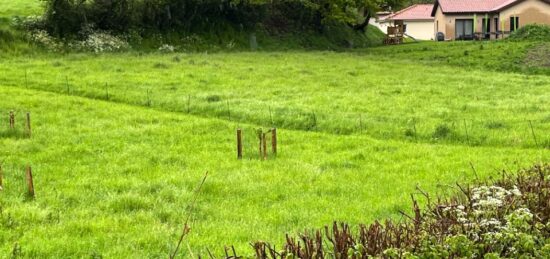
(477, 130)
(28, 179)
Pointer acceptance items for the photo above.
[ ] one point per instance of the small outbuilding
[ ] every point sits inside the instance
(417, 20)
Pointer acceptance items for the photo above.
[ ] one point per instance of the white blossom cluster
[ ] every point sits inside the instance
(487, 197)
(102, 42)
(167, 48)
(44, 39)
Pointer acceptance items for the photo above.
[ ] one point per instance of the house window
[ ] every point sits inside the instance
(496, 25)
(514, 23)
(464, 29)
(486, 28)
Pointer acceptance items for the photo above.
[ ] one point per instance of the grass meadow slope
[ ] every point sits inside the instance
(121, 140)
(114, 180)
(339, 93)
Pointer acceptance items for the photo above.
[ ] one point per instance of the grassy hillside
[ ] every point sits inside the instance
(107, 173)
(339, 93)
(502, 56)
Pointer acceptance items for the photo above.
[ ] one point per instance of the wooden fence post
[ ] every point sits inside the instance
(274, 140)
(12, 120)
(260, 142)
(30, 183)
(29, 129)
(264, 146)
(239, 144)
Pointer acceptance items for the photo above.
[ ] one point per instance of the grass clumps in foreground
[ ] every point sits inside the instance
(507, 218)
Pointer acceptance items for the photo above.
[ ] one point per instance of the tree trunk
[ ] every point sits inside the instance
(364, 25)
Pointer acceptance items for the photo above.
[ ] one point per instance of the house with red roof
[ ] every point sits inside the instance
(486, 19)
(417, 19)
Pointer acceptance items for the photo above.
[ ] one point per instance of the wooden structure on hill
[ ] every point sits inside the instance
(395, 33)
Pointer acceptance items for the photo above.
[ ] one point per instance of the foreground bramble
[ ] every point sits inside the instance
(505, 219)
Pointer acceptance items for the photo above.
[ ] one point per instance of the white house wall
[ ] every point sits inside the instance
(420, 30)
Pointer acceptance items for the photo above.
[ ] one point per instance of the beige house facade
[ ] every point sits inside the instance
(486, 19)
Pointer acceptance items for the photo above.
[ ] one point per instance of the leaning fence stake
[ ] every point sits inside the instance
(29, 129)
(533, 132)
(239, 144)
(12, 120)
(30, 184)
(274, 140)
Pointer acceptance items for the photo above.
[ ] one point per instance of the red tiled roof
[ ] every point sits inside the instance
(472, 6)
(414, 12)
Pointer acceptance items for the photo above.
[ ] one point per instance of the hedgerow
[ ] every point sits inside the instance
(504, 218)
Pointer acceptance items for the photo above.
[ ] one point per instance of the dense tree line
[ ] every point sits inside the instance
(68, 17)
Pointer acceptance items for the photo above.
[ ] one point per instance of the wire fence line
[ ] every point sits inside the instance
(468, 130)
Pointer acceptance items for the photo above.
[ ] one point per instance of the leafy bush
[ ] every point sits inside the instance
(531, 32)
(93, 41)
(44, 40)
(508, 218)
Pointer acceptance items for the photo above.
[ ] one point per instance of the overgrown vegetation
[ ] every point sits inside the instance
(531, 32)
(66, 17)
(226, 24)
(505, 218)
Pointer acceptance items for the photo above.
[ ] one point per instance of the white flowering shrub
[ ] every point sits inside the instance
(93, 41)
(99, 42)
(508, 218)
(43, 39)
(167, 48)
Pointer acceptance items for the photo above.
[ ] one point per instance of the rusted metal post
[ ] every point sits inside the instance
(30, 183)
(264, 146)
(29, 129)
(239, 144)
(274, 140)
(12, 120)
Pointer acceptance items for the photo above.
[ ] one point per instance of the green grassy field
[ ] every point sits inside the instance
(340, 93)
(121, 140)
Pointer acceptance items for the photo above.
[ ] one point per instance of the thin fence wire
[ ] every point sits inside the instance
(464, 130)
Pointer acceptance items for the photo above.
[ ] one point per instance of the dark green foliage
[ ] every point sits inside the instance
(442, 131)
(68, 17)
(213, 98)
(531, 32)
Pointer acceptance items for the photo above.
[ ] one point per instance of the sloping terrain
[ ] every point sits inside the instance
(114, 180)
